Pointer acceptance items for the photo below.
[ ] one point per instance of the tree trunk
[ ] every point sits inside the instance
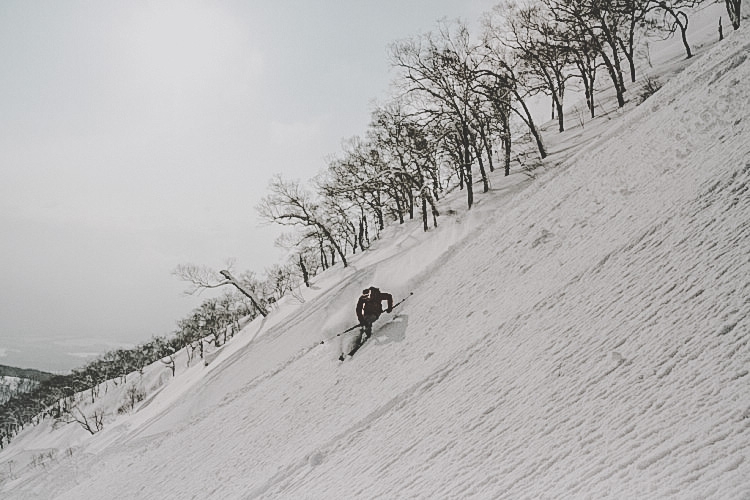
(526, 117)
(506, 147)
(487, 147)
(681, 20)
(410, 197)
(247, 293)
(305, 275)
(361, 235)
(435, 212)
(588, 76)
(335, 245)
(629, 53)
(587, 92)
(379, 213)
(482, 171)
(466, 165)
(560, 119)
(683, 32)
(612, 64)
(323, 258)
(733, 9)
(399, 206)
(460, 168)
(612, 70)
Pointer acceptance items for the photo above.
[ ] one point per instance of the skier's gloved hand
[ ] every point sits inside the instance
(389, 310)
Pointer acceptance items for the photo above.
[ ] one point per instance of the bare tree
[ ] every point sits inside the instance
(602, 22)
(635, 20)
(539, 42)
(279, 280)
(202, 277)
(92, 422)
(411, 155)
(504, 81)
(302, 261)
(675, 17)
(168, 361)
(359, 177)
(441, 69)
(289, 204)
(586, 59)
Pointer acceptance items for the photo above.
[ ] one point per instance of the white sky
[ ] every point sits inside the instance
(136, 136)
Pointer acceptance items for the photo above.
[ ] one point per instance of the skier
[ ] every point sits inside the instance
(369, 309)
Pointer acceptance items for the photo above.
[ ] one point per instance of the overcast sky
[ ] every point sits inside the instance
(136, 136)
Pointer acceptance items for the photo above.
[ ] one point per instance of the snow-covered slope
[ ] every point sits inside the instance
(8, 387)
(582, 335)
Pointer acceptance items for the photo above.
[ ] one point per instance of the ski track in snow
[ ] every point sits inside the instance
(588, 338)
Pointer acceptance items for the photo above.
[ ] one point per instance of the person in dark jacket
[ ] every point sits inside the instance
(369, 309)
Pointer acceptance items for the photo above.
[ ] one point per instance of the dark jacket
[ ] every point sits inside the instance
(371, 303)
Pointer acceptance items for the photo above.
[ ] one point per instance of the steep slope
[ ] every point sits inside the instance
(586, 337)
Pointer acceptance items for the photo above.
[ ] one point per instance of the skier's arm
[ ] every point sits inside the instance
(389, 298)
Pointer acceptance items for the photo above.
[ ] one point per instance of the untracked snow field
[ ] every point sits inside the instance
(582, 335)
